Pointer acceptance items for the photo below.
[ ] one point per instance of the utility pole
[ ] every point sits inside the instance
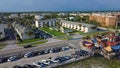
(116, 25)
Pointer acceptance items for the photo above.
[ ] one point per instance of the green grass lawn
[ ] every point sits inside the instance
(29, 40)
(34, 43)
(52, 32)
(2, 46)
(95, 62)
(65, 38)
(95, 33)
(37, 43)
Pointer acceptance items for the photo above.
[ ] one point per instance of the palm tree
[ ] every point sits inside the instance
(58, 24)
(80, 26)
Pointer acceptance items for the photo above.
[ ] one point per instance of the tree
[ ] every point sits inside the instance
(30, 33)
(58, 24)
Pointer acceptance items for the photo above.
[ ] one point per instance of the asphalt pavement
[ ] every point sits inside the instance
(23, 61)
(7, 53)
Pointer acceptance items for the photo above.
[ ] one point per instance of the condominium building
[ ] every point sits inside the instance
(23, 32)
(2, 28)
(46, 22)
(86, 28)
(104, 20)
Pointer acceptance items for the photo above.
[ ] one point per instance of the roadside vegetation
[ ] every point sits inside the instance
(2, 46)
(95, 33)
(32, 42)
(52, 32)
(65, 37)
(95, 62)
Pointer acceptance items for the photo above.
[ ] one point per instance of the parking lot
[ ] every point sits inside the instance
(58, 53)
(41, 34)
(23, 61)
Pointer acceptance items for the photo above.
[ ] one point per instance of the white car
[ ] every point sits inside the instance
(29, 54)
(47, 62)
(39, 64)
(13, 58)
(54, 61)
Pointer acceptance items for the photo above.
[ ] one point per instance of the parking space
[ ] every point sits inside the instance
(41, 34)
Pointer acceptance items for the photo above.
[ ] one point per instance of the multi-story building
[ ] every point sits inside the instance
(79, 26)
(46, 22)
(2, 28)
(23, 32)
(104, 20)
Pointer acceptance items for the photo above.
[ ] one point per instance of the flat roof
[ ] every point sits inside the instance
(77, 23)
(48, 20)
(2, 26)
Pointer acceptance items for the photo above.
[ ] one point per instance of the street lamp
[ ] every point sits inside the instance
(116, 25)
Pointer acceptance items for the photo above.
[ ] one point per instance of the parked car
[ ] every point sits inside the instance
(46, 51)
(29, 54)
(27, 46)
(60, 59)
(42, 52)
(29, 66)
(16, 66)
(67, 57)
(83, 53)
(53, 60)
(4, 59)
(65, 48)
(47, 62)
(13, 58)
(39, 64)
(55, 50)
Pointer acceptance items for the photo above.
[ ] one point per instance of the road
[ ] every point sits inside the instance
(7, 53)
(52, 40)
(108, 29)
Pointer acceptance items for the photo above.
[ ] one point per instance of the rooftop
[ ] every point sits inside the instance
(77, 23)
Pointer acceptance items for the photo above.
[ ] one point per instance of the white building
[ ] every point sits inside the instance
(86, 28)
(23, 32)
(2, 33)
(38, 17)
(46, 22)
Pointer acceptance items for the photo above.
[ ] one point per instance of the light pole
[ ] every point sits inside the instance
(116, 25)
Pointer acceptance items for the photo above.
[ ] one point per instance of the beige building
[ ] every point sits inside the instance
(104, 20)
(79, 26)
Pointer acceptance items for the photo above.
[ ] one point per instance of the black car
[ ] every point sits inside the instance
(55, 50)
(29, 66)
(16, 66)
(41, 52)
(27, 46)
(83, 52)
(4, 59)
